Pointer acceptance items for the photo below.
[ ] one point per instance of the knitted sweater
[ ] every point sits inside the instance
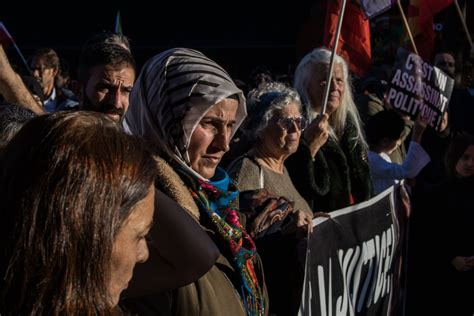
(246, 173)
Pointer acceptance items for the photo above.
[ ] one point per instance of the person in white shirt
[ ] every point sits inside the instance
(383, 132)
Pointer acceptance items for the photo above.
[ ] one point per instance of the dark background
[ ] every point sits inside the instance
(239, 35)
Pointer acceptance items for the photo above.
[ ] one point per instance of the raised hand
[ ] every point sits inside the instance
(317, 133)
(421, 123)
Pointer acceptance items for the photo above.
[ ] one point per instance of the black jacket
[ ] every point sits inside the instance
(338, 171)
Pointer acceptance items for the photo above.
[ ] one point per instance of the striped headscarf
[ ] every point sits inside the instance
(173, 92)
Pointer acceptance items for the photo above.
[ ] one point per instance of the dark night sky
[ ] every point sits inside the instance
(239, 34)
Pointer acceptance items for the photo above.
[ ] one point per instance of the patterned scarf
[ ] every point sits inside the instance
(218, 200)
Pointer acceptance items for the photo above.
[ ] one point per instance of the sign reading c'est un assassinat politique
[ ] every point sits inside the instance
(418, 86)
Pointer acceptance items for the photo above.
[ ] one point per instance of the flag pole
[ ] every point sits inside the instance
(333, 54)
(407, 27)
(118, 24)
(12, 41)
(463, 22)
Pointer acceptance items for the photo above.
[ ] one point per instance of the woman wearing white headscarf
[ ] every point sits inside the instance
(188, 108)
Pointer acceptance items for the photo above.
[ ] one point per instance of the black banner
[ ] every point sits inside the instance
(352, 263)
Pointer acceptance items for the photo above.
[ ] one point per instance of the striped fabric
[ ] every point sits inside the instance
(174, 91)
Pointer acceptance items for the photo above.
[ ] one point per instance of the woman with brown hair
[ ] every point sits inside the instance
(77, 202)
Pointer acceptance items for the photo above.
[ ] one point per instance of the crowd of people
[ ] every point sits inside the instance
(210, 192)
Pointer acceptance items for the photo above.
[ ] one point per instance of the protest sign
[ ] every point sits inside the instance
(418, 86)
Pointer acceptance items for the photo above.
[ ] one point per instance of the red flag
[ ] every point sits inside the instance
(5, 37)
(354, 40)
(420, 20)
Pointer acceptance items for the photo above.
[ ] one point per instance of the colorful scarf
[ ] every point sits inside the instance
(218, 200)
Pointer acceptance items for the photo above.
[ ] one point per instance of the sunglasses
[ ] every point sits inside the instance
(287, 123)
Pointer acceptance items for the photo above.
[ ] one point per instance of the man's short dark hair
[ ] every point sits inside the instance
(107, 38)
(103, 54)
(48, 56)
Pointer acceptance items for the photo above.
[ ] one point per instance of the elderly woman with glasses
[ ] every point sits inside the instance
(274, 125)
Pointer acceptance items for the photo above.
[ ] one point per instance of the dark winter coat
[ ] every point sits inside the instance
(338, 170)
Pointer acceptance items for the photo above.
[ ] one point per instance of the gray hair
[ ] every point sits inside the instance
(337, 120)
(262, 103)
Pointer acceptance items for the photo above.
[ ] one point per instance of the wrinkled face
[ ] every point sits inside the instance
(44, 74)
(282, 134)
(317, 84)
(210, 140)
(465, 164)
(446, 63)
(130, 246)
(108, 90)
